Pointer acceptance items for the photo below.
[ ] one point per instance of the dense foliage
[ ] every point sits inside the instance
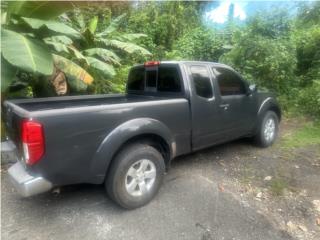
(51, 51)
(276, 50)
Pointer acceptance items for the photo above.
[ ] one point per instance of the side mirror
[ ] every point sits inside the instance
(252, 89)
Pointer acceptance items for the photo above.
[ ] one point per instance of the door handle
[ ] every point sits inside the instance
(224, 106)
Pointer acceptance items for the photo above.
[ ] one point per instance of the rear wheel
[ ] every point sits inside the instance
(135, 176)
(268, 129)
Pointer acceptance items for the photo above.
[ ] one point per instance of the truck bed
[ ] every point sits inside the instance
(39, 104)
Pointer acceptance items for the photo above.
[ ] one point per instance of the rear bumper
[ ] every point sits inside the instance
(26, 184)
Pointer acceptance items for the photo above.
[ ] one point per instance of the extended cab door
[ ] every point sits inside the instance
(237, 109)
(206, 121)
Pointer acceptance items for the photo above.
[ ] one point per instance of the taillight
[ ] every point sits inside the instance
(32, 141)
(151, 63)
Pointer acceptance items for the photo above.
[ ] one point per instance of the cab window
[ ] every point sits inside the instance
(229, 82)
(201, 81)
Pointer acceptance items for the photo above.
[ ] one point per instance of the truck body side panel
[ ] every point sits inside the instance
(73, 136)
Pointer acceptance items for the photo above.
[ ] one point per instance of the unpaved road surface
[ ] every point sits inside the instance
(224, 192)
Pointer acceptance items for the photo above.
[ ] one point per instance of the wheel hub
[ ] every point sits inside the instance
(140, 177)
(269, 129)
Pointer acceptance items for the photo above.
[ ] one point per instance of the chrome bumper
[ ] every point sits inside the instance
(26, 184)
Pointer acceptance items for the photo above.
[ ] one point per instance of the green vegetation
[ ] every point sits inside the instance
(305, 136)
(42, 49)
(277, 186)
(93, 45)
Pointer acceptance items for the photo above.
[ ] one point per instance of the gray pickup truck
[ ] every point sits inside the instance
(127, 141)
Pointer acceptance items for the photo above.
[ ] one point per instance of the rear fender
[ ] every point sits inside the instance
(120, 135)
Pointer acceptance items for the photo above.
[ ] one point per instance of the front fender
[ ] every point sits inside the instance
(121, 134)
(269, 103)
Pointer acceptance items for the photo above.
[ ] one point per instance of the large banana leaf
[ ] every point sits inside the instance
(77, 77)
(79, 18)
(27, 54)
(68, 49)
(131, 36)
(105, 69)
(105, 54)
(112, 27)
(127, 47)
(60, 39)
(93, 24)
(58, 46)
(8, 73)
(52, 25)
(42, 9)
(76, 53)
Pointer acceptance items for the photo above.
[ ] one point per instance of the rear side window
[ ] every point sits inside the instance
(159, 79)
(169, 79)
(201, 80)
(229, 82)
(136, 79)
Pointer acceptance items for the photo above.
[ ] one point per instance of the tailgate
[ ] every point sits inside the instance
(12, 124)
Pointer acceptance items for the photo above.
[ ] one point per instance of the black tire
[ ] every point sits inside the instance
(260, 138)
(116, 180)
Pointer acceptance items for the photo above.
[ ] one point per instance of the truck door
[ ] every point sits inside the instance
(236, 107)
(206, 122)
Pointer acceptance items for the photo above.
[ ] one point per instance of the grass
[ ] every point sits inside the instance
(277, 186)
(307, 135)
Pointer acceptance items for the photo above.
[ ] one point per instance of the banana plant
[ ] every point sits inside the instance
(29, 43)
(23, 45)
(98, 49)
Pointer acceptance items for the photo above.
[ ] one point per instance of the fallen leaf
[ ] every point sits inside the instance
(221, 187)
(291, 226)
(268, 178)
(316, 204)
(303, 228)
(222, 163)
(259, 195)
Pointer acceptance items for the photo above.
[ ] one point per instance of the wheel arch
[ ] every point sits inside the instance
(144, 130)
(269, 104)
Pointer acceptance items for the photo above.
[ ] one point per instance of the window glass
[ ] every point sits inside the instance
(229, 82)
(163, 79)
(151, 76)
(201, 80)
(136, 79)
(169, 79)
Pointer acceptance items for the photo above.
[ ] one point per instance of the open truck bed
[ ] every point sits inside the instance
(40, 104)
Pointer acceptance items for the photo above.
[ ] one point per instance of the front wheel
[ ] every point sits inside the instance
(268, 129)
(135, 176)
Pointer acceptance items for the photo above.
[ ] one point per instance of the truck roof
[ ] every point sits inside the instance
(192, 62)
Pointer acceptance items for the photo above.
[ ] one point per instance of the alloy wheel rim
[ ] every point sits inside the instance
(269, 130)
(140, 178)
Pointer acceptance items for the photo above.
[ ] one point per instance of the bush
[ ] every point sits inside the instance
(309, 99)
(267, 62)
(199, 44)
